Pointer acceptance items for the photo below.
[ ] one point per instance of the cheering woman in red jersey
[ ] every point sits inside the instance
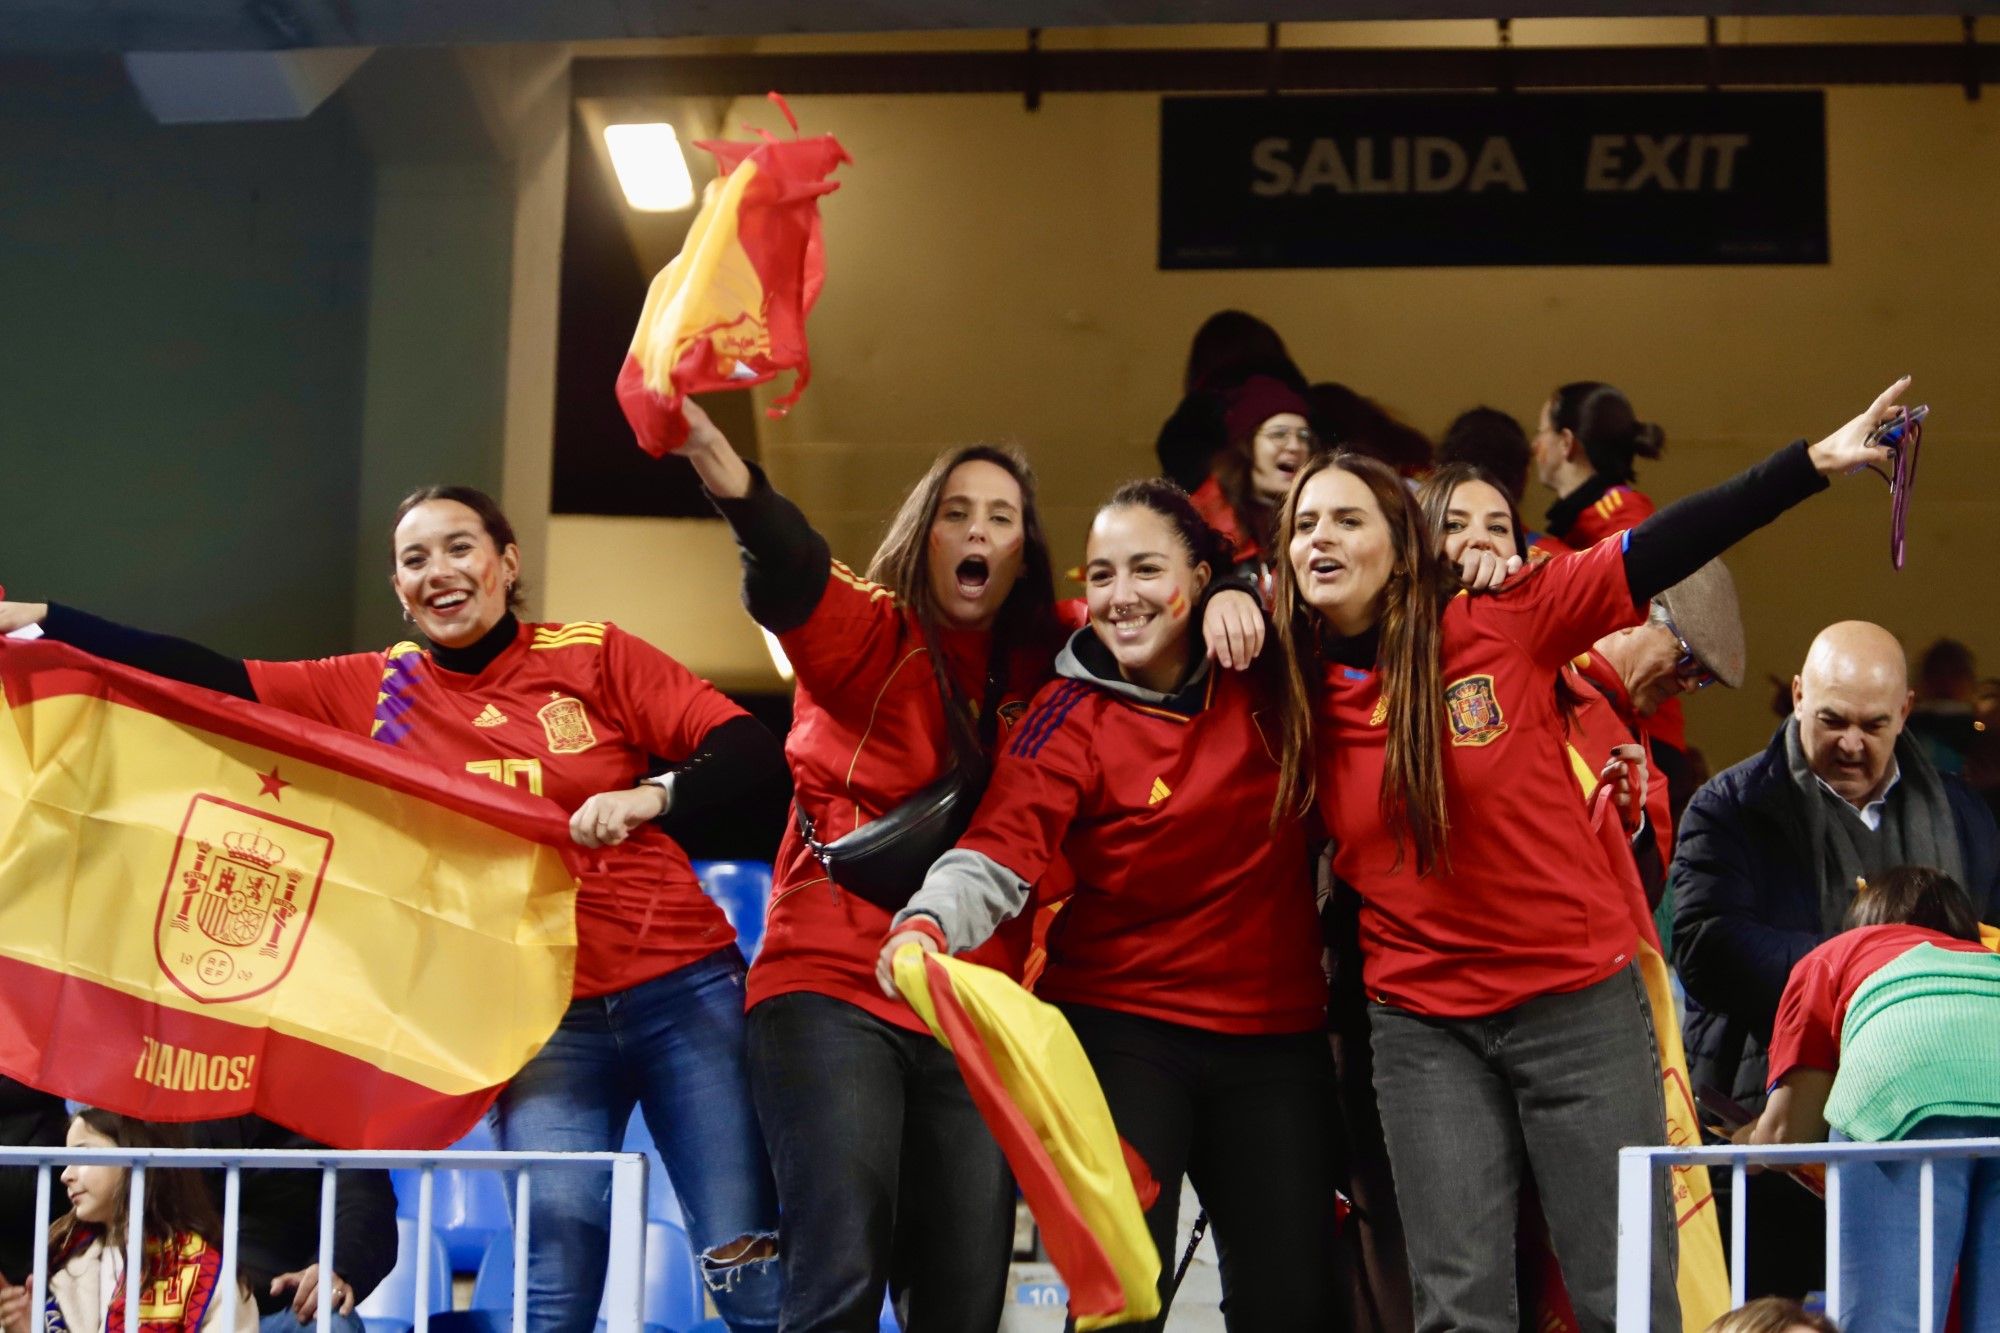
(575, 713)
(1188, 957)
(886, 1174)
(1510, 1029)
(885, 1170)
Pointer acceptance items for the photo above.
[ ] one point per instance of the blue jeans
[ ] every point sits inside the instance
(675, 1047)
(1878, 1234)
(284, 1321)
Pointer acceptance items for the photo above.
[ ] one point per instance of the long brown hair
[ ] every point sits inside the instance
(1412, 688)
(177, 1198)
(902, 564)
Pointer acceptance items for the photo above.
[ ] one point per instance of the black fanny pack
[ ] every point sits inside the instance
(885, 860)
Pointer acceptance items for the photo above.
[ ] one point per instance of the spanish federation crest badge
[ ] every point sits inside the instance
(566, 726)
(237, 900)
(1474, 711)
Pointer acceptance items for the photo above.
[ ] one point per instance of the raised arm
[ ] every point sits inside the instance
(1687, 534)
(161, 654)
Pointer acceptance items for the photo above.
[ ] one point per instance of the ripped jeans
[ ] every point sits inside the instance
(675, 1047)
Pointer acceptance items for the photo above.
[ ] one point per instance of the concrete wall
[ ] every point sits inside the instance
(992, 275)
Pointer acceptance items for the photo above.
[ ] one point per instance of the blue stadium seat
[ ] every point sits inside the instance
(392, 1306)
(674, 1297)
(743, 889)
(468, 1208)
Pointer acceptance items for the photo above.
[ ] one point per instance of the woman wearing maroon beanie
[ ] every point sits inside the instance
(1269, 439)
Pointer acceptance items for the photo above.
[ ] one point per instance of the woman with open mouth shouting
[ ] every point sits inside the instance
(1510, 1029)
(1187, 960)
(885, 1171)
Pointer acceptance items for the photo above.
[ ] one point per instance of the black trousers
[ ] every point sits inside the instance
(1248, 1120)
(886, 1173)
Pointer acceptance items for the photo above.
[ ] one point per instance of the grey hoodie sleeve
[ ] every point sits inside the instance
(968, 894)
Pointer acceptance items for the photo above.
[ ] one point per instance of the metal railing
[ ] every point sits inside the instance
(1639, 1172)
(624, 1274)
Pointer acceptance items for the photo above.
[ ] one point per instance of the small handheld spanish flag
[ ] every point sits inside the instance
(730, 310)
(1035, 1089)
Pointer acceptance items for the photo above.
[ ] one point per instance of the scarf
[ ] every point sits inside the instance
(1917, 827)
(179, 1281)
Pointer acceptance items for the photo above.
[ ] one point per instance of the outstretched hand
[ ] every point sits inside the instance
(715, 460)
(20, 615)
(1848, 449)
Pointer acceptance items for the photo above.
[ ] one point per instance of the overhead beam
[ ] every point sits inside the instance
(1242, 69)
(254, 25)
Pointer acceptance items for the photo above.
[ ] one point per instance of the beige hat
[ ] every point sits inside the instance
(1703, 608)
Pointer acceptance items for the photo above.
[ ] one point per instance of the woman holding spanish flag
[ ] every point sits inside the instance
(925, 665)
(1187, 960)
(1510, 1029)
(576, 713)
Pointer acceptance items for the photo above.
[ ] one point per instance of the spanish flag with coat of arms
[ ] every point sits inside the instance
(209, 908)
(730, 310)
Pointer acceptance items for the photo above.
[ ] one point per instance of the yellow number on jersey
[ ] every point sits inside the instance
(512, 772)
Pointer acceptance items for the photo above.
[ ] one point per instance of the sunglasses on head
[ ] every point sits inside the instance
(1902, 435)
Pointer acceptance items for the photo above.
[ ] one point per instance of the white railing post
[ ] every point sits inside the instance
(1635, 1240)
(521, 1192)
(624, 1283)
(232, 1218)
(1739, 1240)
(426, 1191)
(1833, 1171)
(1926, 1246)
(38, 1289)
(324, 1317)
(135, 1247)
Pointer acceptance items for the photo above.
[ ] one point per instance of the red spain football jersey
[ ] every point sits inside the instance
(1824, 982)
(1620, 508)
(867, 731)
(1528, 904)
(1185, 908)
(566, 712)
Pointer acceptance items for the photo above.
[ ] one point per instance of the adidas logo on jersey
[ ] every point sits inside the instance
(490, 716)
(1159, 793)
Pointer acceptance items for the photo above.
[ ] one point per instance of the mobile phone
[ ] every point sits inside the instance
(1890, 433)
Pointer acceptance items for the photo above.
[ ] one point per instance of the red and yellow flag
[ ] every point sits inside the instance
(730, 310)
(1035, 1089)
(211, 908)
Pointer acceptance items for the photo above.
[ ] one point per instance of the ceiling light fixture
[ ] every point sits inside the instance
(651, 168)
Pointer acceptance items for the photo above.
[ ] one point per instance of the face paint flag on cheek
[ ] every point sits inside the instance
(730, 310)
(1177, 605)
